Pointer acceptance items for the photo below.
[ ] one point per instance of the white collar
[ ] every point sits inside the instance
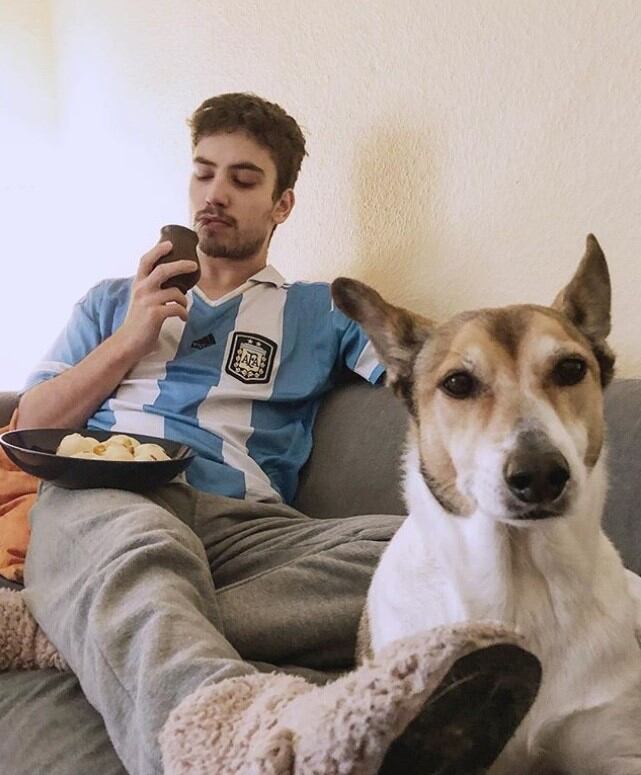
(268, 274)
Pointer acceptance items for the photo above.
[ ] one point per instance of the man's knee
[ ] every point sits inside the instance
(85, 530)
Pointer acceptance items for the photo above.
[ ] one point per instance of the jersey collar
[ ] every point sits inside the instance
(268, 274)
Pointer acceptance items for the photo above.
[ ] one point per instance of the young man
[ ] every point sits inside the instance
(186, 597)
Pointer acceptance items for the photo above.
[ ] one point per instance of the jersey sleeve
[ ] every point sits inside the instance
(356, 351)
(79, 337)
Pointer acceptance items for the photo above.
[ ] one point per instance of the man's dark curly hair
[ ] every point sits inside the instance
(267, 123)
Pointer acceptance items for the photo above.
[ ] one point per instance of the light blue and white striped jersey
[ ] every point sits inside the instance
(240, 382)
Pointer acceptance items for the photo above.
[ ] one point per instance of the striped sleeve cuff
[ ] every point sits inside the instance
(46, 370)
(368, 365)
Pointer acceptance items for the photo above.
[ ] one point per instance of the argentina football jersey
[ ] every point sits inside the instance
(240, 381)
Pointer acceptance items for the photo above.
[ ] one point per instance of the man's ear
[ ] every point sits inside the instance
(397, 335)
(283, 206)
(586, 301)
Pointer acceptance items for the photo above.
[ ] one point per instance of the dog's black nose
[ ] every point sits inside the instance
(536, 472)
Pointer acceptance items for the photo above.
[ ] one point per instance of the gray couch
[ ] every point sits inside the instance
(46, 725)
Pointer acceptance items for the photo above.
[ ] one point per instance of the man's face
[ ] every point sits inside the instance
(231, 196)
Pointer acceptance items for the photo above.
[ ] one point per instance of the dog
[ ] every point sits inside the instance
(505, 481)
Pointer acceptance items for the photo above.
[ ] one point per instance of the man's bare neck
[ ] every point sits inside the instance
(220, 276)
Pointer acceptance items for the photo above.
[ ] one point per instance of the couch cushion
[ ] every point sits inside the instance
(48, 727)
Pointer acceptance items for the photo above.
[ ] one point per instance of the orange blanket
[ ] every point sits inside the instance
(17, 495)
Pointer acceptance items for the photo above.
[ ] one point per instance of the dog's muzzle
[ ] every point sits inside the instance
(536, 474)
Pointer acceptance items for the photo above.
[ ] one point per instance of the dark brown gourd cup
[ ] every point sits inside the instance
(184, 243)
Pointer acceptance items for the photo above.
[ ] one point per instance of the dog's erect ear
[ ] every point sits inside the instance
(397, 335)
(586, 298)
(586, 301)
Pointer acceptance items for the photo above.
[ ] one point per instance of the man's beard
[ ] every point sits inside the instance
(237, 246)
(237, 249)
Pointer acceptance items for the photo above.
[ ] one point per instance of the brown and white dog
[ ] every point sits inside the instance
(505, 482)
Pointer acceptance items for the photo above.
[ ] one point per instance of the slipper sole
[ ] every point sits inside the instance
(469, 719)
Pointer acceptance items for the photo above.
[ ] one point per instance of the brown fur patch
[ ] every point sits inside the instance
(513, 372)
(501, 348)
(507, 326)
(581, 403)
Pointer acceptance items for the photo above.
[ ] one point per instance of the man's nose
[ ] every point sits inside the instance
(217, 193)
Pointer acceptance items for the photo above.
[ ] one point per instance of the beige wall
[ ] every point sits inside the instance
(460, 151)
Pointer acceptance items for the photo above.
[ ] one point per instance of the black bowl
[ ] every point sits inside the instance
(34, 451)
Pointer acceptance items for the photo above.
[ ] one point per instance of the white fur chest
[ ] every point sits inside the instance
(561, 585)
(505, 484)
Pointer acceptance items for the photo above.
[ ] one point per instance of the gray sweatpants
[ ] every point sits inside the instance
(149, 596)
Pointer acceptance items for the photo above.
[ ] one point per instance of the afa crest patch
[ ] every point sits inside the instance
(251, 358)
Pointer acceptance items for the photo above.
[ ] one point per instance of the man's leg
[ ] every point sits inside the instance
(291, 589)
(132, 612)
(123, 588)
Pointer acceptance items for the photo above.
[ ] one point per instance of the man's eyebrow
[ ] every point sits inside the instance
(241, 165)
(203, 160)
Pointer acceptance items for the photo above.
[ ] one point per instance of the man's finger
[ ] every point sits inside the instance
(173, 268)
(170, 295)
(175, 310)
(148, 261)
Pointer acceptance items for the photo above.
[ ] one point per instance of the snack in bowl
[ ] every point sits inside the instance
(150, 452)
(75, 443)
(78, 458)
(118, 447)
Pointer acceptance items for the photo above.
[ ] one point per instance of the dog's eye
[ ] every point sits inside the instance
(460, 384)
(570, 371)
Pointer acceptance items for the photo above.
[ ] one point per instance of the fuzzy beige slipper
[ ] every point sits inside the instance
(427, 689)
(23, 645)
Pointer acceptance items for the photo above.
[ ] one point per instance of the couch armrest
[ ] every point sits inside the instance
(8, 402)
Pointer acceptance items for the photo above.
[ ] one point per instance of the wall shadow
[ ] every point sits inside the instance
(393, 212)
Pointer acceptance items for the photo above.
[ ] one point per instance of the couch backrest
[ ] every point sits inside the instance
(8, 402)
(622, 519)
(354, 467)
(358, 440)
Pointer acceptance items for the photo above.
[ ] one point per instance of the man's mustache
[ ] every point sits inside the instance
(213, 214)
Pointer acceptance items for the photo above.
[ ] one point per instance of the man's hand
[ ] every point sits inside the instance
(150, 305)
(68, 400)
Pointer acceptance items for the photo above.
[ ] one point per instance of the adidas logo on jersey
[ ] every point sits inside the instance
(204, 341)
